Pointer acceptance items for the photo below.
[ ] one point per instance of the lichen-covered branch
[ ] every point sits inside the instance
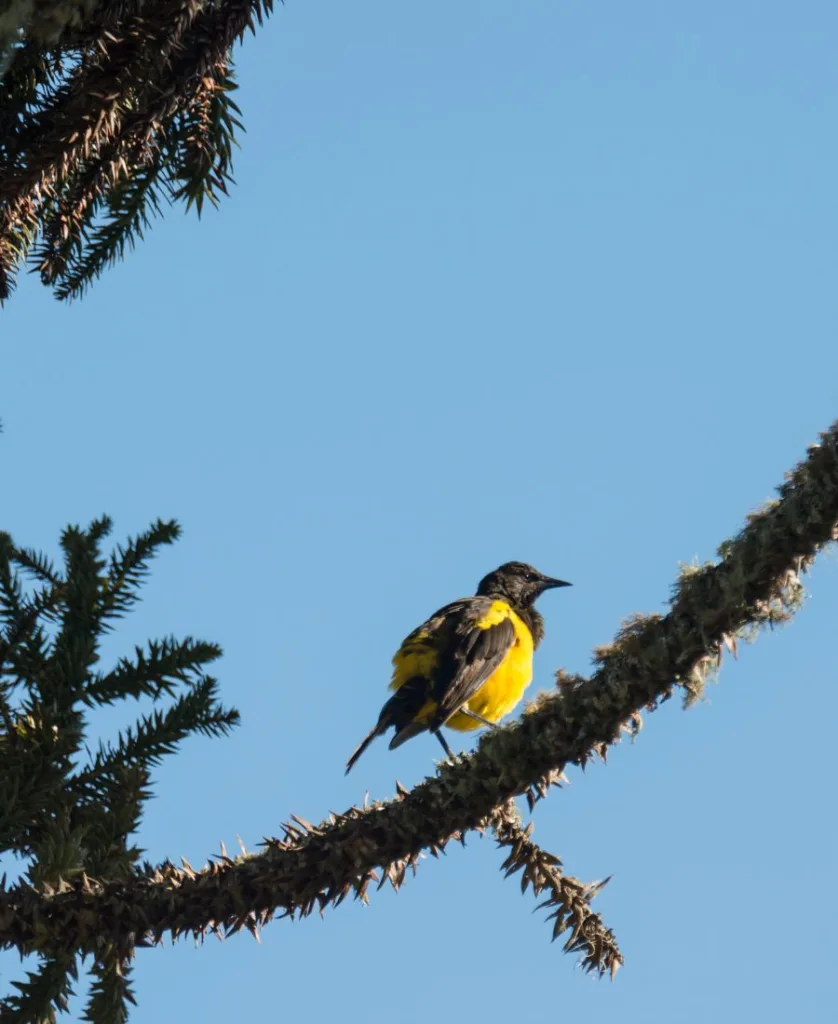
(756, 582)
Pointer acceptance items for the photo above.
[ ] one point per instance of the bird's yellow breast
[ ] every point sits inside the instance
(505, 686)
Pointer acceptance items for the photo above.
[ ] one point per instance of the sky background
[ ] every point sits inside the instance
(542, 281)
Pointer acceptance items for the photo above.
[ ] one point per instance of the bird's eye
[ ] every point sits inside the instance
(528, 576)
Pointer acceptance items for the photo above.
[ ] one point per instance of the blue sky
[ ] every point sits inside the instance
(549, 281)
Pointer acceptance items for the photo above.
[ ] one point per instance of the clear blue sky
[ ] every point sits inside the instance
(550, 281)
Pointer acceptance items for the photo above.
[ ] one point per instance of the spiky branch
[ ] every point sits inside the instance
(69, 814)
(569, 901)
(106, 118)
(756, 582)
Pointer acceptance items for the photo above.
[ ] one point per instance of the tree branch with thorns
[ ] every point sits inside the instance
(86, 892)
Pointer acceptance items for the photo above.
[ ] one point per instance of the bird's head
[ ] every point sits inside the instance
(518, 583)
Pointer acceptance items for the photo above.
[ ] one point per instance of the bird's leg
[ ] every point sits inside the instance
(444, 743)
(478, 718)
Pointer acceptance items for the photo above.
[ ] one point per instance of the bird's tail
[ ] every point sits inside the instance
(377, 730)
(407, 733)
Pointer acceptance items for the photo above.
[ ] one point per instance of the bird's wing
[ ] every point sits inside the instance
(419, 652)
(481, 635)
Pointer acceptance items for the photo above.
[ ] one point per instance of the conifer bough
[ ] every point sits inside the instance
(108, 108)
(77, 901)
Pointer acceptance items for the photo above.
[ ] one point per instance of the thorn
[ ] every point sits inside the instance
(593, 889)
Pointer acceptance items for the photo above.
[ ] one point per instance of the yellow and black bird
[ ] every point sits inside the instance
(470, 663)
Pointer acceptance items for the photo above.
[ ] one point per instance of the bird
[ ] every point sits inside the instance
(469, 663)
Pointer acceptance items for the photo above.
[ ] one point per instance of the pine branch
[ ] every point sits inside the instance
(756, 583)
(205, 138)
(111, 991)
(129, 566)
(122, 120)
(76, 647)
(67, 823)
(160, 733)
(168, 663)
(66, 220)
(109, 812)
(44, 992)
(38, 565)
(91, 209)
(34, 763)
(89, 108)
(6, 711)
(22, 642)
(131, 204)
(19, 222)
(11, 588)
(24, 649)
(109, 17)
(29, 83)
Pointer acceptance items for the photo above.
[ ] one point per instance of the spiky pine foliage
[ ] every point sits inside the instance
(67, 812)
(110, 109)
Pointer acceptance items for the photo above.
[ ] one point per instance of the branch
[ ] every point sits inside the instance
(89, 110)
(111, 991)
(757, 582)
(160, 733)
(42, 993)
(141, 109)
(569, 898)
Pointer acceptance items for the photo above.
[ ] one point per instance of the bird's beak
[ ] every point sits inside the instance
(548, 583)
